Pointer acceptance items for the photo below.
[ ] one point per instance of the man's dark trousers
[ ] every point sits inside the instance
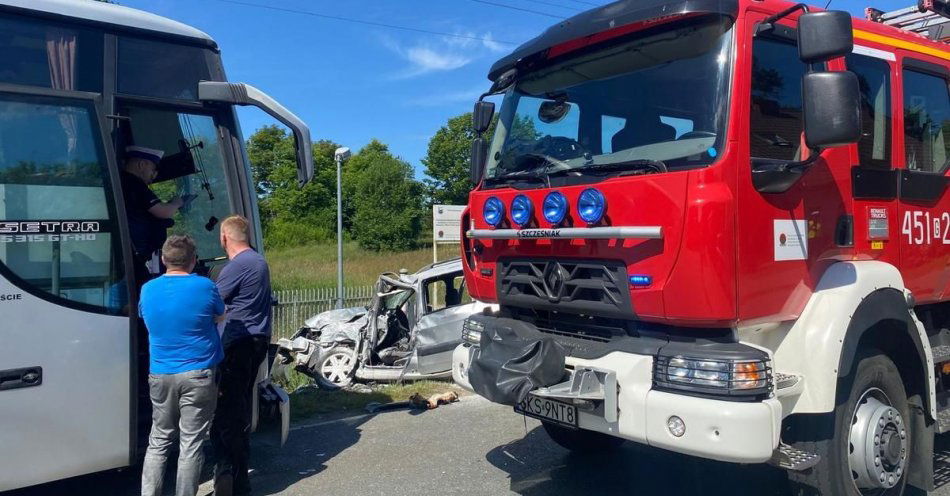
(230, 431)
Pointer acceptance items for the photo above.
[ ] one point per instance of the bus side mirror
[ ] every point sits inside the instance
(479, 156)
(825, 35)
(482, 115)
(832, 108)
(245, 94)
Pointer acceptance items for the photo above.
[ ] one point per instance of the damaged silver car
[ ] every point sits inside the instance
(408, 331)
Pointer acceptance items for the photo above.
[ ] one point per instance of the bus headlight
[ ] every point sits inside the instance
(726, 377)
(472, 331)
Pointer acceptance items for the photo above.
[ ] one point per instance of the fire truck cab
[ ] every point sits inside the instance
(721, 228)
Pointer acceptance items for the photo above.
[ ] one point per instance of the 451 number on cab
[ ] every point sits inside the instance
(924, 228)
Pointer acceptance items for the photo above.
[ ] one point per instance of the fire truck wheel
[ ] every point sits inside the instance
(865, 443)
(335, 368)
(581, 440)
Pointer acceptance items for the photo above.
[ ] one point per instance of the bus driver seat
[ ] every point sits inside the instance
(643, 129)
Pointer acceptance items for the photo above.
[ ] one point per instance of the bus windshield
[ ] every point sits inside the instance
(654, 103)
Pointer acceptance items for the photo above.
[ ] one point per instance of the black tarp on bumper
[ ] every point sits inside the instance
(513, 358)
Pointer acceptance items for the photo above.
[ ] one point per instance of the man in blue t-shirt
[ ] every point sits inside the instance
(180, 310)
(244, 284)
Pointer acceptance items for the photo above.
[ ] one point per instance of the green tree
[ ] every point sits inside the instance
(386, 201)
(290, 214)
(447, 161)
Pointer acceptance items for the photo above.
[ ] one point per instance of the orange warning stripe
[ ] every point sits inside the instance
(897, 43)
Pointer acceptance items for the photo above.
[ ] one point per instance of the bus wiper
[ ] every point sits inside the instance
(629, 166)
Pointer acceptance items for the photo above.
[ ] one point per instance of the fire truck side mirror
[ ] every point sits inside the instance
(825, 35)
(832, 112)
(482, 115)
(479, 156)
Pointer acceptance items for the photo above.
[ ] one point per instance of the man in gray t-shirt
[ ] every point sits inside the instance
(244, 284)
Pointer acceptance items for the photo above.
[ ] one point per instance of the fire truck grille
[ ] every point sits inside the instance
(590, 287)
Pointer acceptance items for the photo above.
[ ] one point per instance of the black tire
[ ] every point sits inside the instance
(829, 435)
(580, 440)
(339, 379)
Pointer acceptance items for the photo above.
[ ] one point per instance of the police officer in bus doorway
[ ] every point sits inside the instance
(149, 217)
(244, 284)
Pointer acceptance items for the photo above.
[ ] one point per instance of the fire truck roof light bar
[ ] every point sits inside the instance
(627, 232)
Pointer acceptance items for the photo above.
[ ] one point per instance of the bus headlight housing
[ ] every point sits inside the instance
(732, 377)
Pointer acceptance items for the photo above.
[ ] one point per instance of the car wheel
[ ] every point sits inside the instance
(865, 443)
(335, 368)
(580, 440)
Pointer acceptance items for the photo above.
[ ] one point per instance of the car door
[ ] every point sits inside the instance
(439, 331)
(65, 361)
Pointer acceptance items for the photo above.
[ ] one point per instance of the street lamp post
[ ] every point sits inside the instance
(340, 155)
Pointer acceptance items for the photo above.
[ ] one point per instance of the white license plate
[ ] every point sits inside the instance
(545, 409)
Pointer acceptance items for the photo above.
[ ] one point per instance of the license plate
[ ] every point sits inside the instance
(545, 409)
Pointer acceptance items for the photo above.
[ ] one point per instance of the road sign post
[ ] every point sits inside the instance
(446, 226)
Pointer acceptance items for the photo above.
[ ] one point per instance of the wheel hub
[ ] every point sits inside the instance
(337, 366)
(877, 443)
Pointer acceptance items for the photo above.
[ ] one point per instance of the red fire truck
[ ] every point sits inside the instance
(721, 228)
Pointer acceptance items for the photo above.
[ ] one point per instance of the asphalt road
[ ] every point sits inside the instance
(468, 448)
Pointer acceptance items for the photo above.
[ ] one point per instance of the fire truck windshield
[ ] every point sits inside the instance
(655, 103)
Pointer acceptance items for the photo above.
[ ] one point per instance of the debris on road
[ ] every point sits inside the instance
(416, 401)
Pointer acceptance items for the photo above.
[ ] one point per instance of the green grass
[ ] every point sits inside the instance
(314, 266)
(312, 401)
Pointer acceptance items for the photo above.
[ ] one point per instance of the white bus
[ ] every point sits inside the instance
(80, 81)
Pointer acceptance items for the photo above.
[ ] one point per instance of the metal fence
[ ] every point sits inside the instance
(294, 306)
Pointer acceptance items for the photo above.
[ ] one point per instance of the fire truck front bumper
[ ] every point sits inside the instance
(618, 394)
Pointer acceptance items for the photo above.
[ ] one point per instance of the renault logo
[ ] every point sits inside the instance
(553, 281)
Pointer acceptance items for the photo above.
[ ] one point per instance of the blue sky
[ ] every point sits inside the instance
(353, 82)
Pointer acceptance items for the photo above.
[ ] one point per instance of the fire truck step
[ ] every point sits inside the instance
(791, 458)
(943, 412)
(941, 353)
(783, 381)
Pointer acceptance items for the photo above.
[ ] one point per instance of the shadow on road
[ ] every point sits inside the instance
(537, 466)
(274, 468)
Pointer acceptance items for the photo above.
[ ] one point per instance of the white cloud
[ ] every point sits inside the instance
(488, 41)
(450, 53)
(450, 98)
(426, 59)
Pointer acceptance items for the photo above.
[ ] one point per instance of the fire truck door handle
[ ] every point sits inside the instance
(21, 378)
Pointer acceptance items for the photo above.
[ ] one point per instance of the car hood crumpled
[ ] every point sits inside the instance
(343, 324)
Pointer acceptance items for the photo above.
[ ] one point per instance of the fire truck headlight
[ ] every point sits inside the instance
(494, 211)
(736, 377)
(521, 209)
(472, 331)
(591, 206)
(554, 207)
